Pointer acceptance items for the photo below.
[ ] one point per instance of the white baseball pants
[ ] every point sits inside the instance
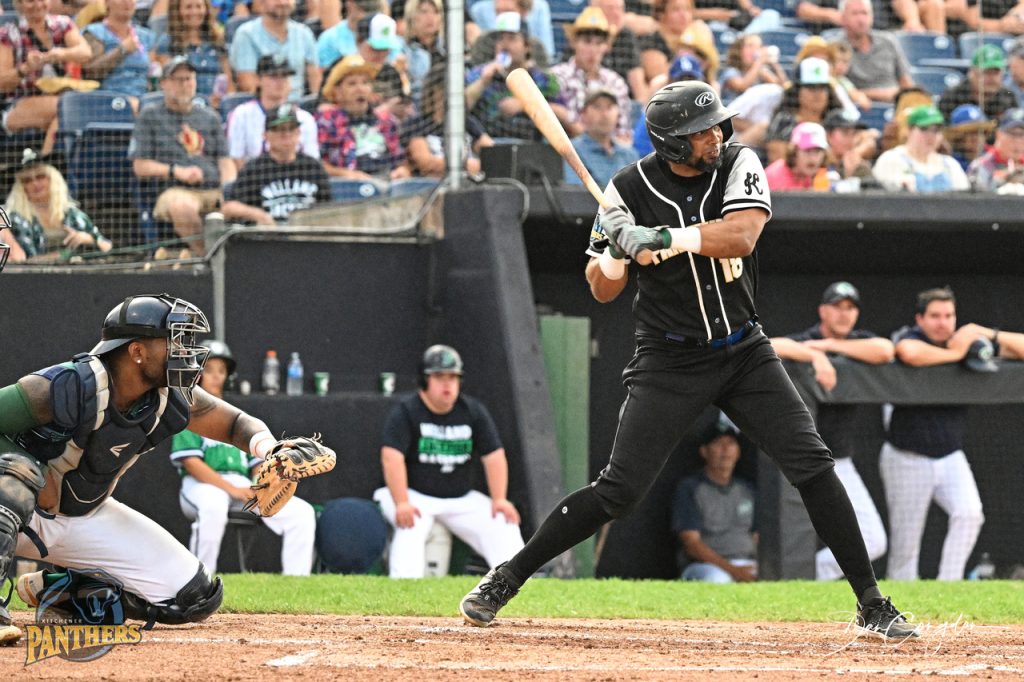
(467, 517)
(207, 506)
(911, 482)
(115, 538)
(871, 527)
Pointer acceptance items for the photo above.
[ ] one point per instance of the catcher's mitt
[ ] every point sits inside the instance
(289, 461)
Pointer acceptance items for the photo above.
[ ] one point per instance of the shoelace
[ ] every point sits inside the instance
(497, 590)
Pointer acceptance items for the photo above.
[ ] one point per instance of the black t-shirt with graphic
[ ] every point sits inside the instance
(837, 424)
(281, 188)
(438, 447)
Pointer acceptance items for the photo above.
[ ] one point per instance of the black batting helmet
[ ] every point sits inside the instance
(680, 109)
(5, 249)
(160, 316)
(439, 359)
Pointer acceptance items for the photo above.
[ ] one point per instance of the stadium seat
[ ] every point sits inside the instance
(935, 79)
(564, 7)
(789, 42)
(723, 39)
(970, 41)
(562, 48)
(76, 110)
(98, 168)
(346, 189)
(877, 116)
(787, 8)
(232, 100)
(401, 188)
(7, 18)
(232, 26)
(930, 49)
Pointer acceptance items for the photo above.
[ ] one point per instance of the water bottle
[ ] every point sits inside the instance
(294, 386)
(985, 570)
(271, 373)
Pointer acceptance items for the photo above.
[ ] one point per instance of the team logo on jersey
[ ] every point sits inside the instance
(79, 617)
(704, 99)
(116, 449)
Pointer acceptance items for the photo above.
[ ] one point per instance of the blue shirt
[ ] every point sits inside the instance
(339, 41)
(641, 138)
(598, 161)
(204, 58)
(252, 41)
(131, 75)
(538, 22)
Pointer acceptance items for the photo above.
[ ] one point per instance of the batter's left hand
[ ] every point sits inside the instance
(637, 238)
(507, 508)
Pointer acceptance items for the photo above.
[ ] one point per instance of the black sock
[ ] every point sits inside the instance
(575, 519)
(834, 520)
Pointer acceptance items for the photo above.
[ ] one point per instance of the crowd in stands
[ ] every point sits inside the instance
(834, 95)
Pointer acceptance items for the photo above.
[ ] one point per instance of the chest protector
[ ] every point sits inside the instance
(89, 444)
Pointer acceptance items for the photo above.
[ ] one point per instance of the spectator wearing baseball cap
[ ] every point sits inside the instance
(804, 165)
(1004, 160)
(179, 150)
(713, 512)
(356, 140)
(245, 122)
(967, 133)
(809, 98)
(377, 42)
(534, 15)
(917, 166)
(600, 151)
(281, 181)
(988, 64)
(851, 144)
(590, 39)
(274, 32)
(490, 100)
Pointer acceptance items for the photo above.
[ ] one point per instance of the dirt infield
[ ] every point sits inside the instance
(240, 647)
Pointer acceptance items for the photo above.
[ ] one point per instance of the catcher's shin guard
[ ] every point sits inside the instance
(196, 601)
(21, 479)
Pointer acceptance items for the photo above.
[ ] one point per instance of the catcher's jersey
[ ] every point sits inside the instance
(89, 444)
(680, 292)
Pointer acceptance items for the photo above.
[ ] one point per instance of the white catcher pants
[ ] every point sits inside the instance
(871, 527)
(911, 482)
(115, 538)
(467, 517)
(207, 507)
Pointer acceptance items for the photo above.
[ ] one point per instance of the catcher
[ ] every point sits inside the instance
(69, 432)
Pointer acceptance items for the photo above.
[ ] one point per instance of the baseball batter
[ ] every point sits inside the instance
(69, 432)
(700, 205)
(836, 333)
(923, 456)
(430, 439)
(216, 479)
(5, 248)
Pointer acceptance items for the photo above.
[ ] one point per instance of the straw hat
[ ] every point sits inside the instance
(590, 19)
(345, 67)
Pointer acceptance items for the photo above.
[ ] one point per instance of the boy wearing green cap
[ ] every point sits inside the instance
(917, 166)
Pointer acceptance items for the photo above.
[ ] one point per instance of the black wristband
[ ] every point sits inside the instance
(170, 171)
(995, 335)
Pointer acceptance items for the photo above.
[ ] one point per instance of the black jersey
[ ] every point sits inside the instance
(684, 293)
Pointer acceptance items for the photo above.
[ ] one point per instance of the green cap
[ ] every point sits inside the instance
(988, 57)
(925, 115)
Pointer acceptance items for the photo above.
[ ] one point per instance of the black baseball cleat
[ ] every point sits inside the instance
(494, 590)
(9, 632)
(882, 619)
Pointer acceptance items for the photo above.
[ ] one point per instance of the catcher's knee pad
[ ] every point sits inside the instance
(196, 601)
(21, 479)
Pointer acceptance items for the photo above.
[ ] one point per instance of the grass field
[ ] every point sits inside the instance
(988, 602)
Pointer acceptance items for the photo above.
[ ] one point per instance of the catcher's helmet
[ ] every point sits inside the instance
(679, 110)
(5, 250)
(439, 359)
(219, 349)
(160, 316)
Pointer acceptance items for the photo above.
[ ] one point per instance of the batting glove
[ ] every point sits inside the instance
(613, 221)
(637, 238)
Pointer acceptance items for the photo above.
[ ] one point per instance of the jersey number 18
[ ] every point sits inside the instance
(732, 268)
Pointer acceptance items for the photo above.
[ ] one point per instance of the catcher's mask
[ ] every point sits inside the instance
(5, 249)
(439, 359)
(156, 316)
(681, 109)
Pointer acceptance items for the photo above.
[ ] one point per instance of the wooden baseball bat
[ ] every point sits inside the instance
(537, 108)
